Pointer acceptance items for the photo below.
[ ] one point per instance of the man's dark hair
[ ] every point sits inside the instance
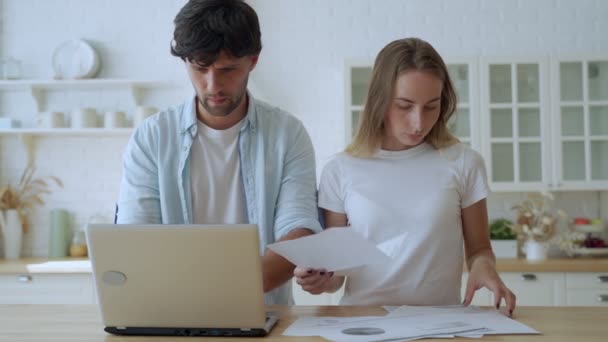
(204, 28)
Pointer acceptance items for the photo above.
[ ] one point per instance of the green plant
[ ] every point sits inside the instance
(501, 229)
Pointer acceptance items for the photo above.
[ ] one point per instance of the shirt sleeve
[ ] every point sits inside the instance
(331, 196)
(139, 198)
(297, 202)
(475, 181)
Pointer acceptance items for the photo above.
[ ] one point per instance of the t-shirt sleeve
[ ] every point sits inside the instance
(331, 195)
(475, 180)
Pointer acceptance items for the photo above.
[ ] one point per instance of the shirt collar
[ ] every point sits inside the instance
(189, 120)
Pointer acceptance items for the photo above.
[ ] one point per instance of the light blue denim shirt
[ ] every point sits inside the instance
(277, 164)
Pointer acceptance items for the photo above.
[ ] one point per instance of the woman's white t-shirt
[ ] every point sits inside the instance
(408, 203)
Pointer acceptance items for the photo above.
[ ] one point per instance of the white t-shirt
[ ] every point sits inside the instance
(409, 203)
(218, 196)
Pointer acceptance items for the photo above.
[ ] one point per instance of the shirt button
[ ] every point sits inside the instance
(185, 148)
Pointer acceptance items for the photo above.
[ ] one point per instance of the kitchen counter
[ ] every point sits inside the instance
(83, 265)
(43, 265)
(553, 265)
(82, 323)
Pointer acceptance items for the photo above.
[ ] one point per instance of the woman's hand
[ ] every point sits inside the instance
(483, 274)
(317, 281)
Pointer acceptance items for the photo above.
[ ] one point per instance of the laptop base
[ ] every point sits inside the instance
(226, 332)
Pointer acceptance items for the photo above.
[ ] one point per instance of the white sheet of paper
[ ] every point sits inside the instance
(340, 250)
(337, 328)
(408, 323)
(494, 321)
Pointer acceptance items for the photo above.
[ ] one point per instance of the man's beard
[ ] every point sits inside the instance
(231, 103)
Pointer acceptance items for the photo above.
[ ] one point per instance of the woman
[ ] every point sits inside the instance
(409, 186)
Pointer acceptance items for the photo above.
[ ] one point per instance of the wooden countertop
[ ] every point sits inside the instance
(42, 265)
(553, 265)
(82, 323)
(83, 265)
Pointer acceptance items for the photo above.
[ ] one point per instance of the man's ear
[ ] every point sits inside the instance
(254, 62)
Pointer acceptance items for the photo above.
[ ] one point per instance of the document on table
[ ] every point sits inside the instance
(339, 250)
(408, 323)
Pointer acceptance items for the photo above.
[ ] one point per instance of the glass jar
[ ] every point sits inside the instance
(78, 248)
(10, 68)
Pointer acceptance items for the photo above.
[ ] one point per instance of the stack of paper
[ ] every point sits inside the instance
(407, 323)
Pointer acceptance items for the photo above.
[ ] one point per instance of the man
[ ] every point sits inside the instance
(222, 156)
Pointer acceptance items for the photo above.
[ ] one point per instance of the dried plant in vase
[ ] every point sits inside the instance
(536, 217)
(27, 194)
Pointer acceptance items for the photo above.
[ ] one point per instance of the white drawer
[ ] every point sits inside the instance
(587, 298)
(587, 280)
(536, 289)
(46, 289)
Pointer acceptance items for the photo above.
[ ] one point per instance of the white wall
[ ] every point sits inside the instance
(300, 69)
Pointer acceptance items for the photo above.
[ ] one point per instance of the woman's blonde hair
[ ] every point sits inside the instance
(394, 59)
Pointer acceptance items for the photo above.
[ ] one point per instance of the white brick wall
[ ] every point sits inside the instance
(300, 69)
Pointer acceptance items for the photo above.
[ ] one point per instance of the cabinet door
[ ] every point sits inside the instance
(587, 289)
(358, 76)
(46, 289)
(537, 289)
(581, 125)
(464, 123)
(516, 134)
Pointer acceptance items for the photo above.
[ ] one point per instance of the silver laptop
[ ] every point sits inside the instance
(179, 280)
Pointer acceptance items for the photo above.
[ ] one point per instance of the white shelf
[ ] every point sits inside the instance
(67, 132)
(91, 83)
(38, 88)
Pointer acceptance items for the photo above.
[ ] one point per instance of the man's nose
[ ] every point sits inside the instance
(213, 81)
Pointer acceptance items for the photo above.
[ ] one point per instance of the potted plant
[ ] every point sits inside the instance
(16, 203)
(536, 224)
(503, 239)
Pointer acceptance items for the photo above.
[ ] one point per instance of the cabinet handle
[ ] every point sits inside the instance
(24, 278)
(602, 298)
(528, 277)
(603, 278)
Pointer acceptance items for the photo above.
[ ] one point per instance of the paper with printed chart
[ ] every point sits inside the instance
(340, 250)
(407, 323)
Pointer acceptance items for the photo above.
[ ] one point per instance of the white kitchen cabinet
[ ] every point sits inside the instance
(541, 123)
(580, 107)
(464, 123)
(515, 134)
(587, 289)
(537, 289)
(43, 288)
(463, 71)
(531, 289)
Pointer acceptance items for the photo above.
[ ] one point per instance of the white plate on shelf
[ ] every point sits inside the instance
(75, 59)
(591, 251)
